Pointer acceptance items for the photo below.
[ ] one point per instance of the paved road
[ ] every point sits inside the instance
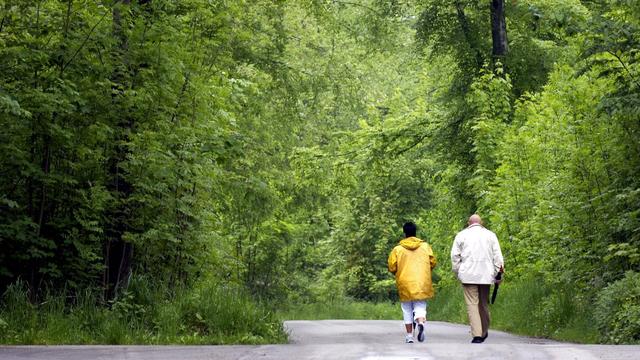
(345, 339)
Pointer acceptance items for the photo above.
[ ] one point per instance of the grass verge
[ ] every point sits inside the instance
(210, 314)
(343, 309)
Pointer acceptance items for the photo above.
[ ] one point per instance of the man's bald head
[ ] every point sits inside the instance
(474, 219)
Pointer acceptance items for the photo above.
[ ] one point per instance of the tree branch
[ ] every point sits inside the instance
(625, 67)
(375, 11)
(84, 42)
(466, 31)
(414, 144)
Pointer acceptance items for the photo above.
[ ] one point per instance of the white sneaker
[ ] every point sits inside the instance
(421, 332)
(408, 339)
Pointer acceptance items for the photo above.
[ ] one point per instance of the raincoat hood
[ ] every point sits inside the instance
(411, 243)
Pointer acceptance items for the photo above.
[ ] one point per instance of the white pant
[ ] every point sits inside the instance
(412, 310)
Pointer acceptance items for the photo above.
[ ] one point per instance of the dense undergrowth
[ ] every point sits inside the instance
(213, 314)
(208, 314)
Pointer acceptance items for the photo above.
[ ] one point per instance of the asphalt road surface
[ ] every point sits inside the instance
(345, 339)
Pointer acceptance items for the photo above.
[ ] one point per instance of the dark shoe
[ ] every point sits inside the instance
(421, 332)
(485, 336)
(477, 340)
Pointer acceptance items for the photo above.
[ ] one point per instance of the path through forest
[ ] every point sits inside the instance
(346, 339)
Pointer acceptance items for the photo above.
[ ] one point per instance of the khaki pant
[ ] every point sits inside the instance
(477, 299)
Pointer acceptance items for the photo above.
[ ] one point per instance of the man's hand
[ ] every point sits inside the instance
(498, 279)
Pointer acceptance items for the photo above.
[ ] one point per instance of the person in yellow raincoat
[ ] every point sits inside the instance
(412, 261)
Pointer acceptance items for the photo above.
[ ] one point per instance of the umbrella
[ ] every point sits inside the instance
(495, 287)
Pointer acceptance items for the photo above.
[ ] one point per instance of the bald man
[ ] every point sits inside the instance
(476, 259)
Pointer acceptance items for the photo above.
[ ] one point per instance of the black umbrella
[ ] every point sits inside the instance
(495, 287)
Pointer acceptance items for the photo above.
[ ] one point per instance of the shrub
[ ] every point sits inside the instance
(617, 311)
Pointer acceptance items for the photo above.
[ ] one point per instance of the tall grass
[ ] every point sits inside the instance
(209, 314)
(342, 309)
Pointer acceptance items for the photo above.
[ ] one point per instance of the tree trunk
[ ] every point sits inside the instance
(466, 31)
(118, 253)
(498, 30)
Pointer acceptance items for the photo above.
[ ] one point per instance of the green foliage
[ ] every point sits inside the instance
(152, 137)
(210, 314)
(617, 310)
(490, 99)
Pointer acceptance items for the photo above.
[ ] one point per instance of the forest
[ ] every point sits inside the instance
(172, 170)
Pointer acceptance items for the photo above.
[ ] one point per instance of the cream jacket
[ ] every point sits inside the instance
(476, 257)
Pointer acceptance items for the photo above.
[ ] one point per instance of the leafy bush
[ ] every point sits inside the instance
(617, 310)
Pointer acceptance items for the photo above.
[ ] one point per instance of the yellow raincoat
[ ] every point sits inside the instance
(412, 261)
